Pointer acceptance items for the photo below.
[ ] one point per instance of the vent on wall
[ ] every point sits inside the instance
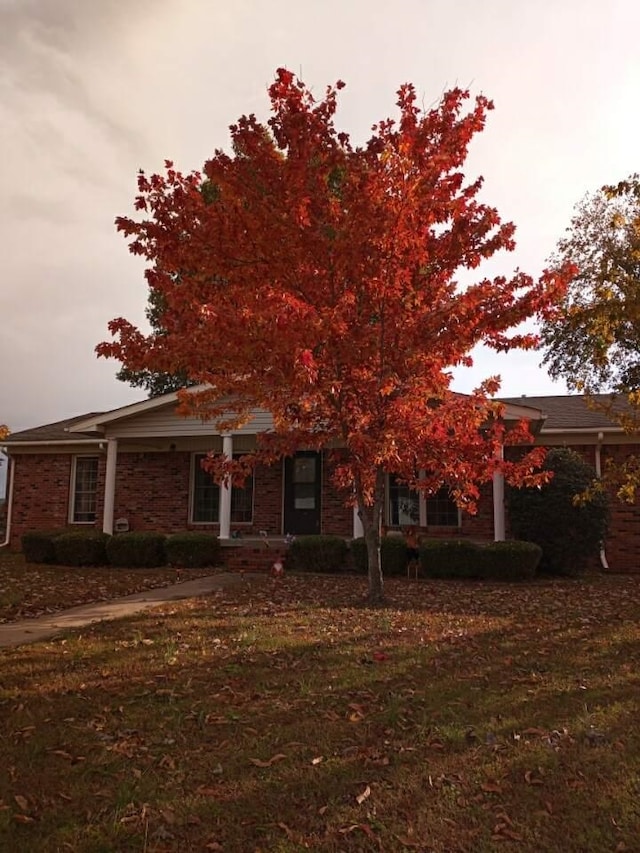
(121, 525)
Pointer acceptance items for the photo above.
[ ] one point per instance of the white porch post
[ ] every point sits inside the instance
(110, 486)
(225, 491)
(358, 529)
(498, 501)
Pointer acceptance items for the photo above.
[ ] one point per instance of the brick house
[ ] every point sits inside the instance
(138, 468)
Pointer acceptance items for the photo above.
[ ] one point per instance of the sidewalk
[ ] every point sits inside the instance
(45, 627)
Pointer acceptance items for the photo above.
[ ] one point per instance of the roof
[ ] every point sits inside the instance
(52, 432)
(572, 411)
(568, 412)
(93, 423)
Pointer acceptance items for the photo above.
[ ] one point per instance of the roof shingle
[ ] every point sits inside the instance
(52, 432)
(572, 411)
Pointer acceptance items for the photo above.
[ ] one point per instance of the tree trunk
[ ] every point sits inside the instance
(371, 517)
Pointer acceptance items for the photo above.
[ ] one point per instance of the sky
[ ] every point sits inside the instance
(93, 90)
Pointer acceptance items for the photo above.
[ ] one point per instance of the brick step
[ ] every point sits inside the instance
(249, 558)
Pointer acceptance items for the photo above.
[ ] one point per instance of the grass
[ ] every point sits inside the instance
(28, 590)
(460, 717)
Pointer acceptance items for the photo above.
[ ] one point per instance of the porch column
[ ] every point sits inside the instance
(358, 529)
(498, 501)
(110, 486)
(225, 491)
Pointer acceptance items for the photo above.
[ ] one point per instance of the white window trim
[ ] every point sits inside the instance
(72, 489)
(192, 482)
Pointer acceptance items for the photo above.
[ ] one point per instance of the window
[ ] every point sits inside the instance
(404, 507)
(441, 509)
(205, 505)
(84, 489)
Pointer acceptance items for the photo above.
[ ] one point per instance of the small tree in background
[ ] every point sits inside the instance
(317, 280)
(567, 517)
(593, 341)
(155, 382)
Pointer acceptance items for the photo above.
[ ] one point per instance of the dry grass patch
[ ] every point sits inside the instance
(28, 590)
(461, 717)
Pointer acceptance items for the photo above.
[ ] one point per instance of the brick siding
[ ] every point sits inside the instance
(152, 493)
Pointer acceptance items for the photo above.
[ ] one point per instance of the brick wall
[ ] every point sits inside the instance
(152, 492)
(267, 500)
(336, 518)
(41, 492)
(623, 543)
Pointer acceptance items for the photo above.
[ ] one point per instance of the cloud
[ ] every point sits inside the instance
(92, 90)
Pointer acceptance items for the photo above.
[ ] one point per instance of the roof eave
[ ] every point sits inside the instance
(585, 430)
(97, 423)
(7, 445)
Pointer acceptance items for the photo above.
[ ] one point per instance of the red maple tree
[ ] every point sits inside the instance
(315, 279)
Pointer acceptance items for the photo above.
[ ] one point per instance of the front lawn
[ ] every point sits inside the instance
(461, 717)
(28, 590)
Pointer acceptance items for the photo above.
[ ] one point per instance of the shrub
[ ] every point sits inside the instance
(81, 548)
(393, 554)
(508, 561)
(569, 533)
(137, 550)
(192, 550)
(37, 545)
(317, 554)
(449, 558)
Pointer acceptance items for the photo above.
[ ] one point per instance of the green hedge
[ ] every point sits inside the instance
(393, 554)
(137, 550)
(449, 558)
(509, 561)
(37, 545)
(456, 558)
(570, 533)
(192, 550)
(318, 554)
(81, 548)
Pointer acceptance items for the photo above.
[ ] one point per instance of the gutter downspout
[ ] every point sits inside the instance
(7, 535)
(603, 556)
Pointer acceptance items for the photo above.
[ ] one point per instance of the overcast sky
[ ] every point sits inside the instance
(92, 90)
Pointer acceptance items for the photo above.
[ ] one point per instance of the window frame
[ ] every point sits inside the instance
(422, 506)
(196, 457)
(73, 488)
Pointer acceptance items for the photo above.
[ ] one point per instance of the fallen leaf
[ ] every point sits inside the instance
(257, 762)
(205, 791)
(363, 796)
(530, 779)
(289, 833)
(22, 802)
(363, 827)
(62, 753)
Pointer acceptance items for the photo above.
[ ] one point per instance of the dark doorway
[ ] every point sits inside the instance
(302, 493)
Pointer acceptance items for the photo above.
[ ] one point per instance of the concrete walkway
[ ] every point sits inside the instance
(45, 627)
